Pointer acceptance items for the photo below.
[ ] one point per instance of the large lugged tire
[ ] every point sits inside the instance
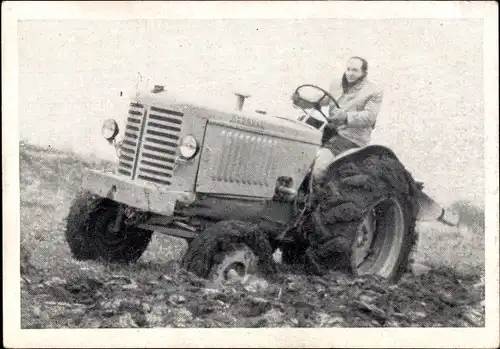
(89, 236)
(365, 218)
(226, 244)
(293, 253)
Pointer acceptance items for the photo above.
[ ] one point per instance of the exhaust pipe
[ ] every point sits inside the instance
(240, 100)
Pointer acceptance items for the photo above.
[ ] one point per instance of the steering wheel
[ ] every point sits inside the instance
(317, 103)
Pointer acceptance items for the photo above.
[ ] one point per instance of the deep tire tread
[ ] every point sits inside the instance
(208, 247)
(343, 199)
(87, 218)
(81, 243)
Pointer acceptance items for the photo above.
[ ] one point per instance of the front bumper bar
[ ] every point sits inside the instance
(141, 195)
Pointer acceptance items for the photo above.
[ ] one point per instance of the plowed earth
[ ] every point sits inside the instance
(60, 292)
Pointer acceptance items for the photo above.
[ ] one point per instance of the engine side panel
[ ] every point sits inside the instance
(244, 162)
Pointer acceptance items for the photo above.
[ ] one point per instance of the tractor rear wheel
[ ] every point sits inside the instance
(364, 220)
(90, 234)
(230, 250)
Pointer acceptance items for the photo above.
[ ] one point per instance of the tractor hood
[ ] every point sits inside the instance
(252, 121)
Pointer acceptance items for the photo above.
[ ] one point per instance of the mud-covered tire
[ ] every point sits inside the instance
(293, 253)
(348, 191)
(219, 241)
(81, 243)
(240, 260)
(88, 237)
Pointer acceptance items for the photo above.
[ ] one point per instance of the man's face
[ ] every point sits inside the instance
(354, 71)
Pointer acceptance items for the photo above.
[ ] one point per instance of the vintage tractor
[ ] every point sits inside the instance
(239, 185)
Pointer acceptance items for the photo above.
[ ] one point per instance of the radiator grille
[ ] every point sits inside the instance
(245, 159)
(150, 143)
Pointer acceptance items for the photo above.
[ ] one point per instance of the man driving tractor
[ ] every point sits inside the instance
(359, 104)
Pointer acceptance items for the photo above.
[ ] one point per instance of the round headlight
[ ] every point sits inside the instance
(188, 147)
(109, 129)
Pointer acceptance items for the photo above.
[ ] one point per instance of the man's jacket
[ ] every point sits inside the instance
(362, 103)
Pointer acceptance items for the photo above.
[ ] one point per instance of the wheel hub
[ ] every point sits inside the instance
(379, 238)
(235, 272)
(235, 266)
(364, 237)
(114, 235)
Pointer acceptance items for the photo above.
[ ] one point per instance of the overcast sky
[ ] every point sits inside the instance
(72, 72)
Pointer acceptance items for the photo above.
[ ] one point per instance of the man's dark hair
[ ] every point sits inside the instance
(364, 68)
(364, 63)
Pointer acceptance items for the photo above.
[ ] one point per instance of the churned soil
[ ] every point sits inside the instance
(60, 292)
(178, 298)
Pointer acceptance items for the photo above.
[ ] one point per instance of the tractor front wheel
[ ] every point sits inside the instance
(230, 251)
(90, 232)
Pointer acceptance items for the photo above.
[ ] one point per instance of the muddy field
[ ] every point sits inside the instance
(445, 290)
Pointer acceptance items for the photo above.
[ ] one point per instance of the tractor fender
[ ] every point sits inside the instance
(428, 208)
(356, 153)
(325, 159)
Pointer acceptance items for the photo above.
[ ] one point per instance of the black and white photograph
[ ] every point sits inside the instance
(278, 166)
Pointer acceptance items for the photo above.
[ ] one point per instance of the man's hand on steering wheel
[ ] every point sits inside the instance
(337, 116)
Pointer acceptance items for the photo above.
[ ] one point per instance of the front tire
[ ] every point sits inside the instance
(89, 235)
(365, 218)
(227, 247)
